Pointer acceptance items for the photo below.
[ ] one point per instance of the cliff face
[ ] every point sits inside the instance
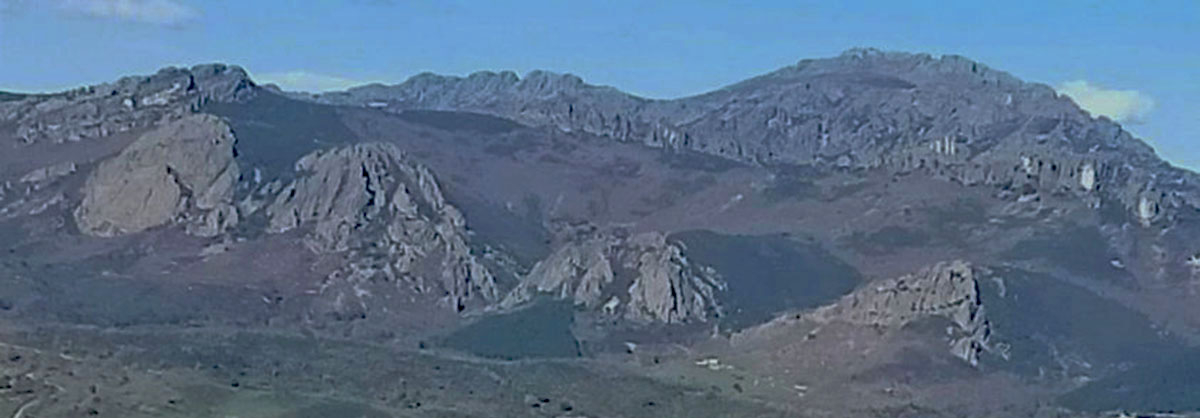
(643, 277)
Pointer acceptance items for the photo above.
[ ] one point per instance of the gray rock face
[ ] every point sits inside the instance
(388, 214)
(129, 103)
(643, 277)
(867, 109)
(182, 171)
(948, 290)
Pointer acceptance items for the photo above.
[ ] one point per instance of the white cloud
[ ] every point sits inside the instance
(159, 12)
(307, 81)
(1125, 106)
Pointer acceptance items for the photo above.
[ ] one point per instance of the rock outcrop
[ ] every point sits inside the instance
(949, 290)
(644, 278)
(369, 203)
(388, 215)
(182, 171)
(129, 103)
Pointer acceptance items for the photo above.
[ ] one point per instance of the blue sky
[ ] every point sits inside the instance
(1138, 61)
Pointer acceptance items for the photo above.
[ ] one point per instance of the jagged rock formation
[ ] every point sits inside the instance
(643, 277)
(182, 171)
(946, 115)
(370, 200)
(129, 103)
(948, 290)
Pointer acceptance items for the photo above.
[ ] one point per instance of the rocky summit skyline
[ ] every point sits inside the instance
(1127, 61)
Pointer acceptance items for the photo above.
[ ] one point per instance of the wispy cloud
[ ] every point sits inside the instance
(307, 81)
(158, 12)
(1125, 106)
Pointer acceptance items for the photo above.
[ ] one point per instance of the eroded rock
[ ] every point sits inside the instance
(643, 277)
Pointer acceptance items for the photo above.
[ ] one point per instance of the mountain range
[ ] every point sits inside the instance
(876, 234)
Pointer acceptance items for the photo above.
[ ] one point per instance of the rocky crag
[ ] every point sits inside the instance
(642, 277)
(390, 218)
(947, 290)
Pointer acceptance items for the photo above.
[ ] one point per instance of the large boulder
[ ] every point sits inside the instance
(182, 171)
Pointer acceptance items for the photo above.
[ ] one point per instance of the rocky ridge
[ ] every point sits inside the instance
(642, 277)
(388, 215)
(127, 104)
(949, 116)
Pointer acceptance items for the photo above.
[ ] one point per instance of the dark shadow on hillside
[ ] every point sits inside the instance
(542, 330)
(460, 121)
(1165, 384)
(887, 240)
(1081, 251)
(522, 237)
(75, 294)
(1058, 330)
(769, 274)
(274, 131)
